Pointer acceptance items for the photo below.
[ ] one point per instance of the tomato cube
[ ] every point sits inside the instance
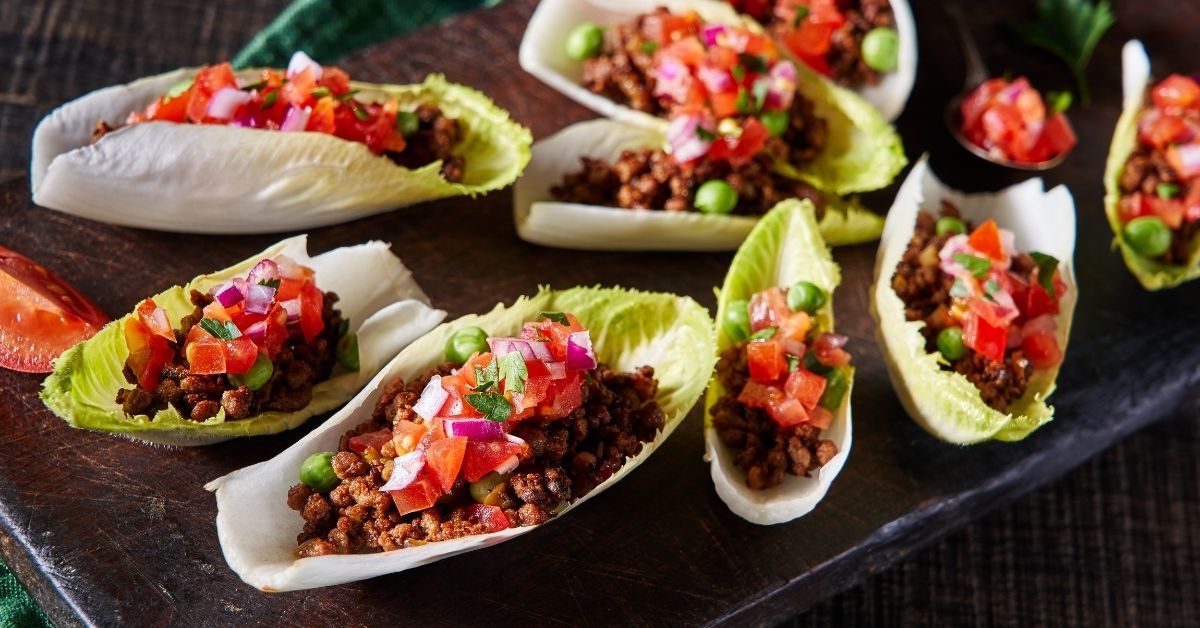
(805, 387)
(492, 518)
(147, 353)
(155, 319)
(985, 338)
(406, 434)
(766, 360)
(1042, 350)
(422, 493)
(568, 396)
(443, 459)
(312, 302)
(985, 239)
(483, 456)
(240, 354)
(361, 442)
(1176, 91)
(768, 309)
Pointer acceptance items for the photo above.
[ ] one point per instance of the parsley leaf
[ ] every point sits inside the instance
(560, 317)
(269, 100)
(223, 330)
(493, 406)
(487, 377)
(513, 371)
(319, 92)
(1059, 101)
(1046, 264)
(361, 114)
(1070, 30)
(705, 134)
(270, 283)
(793, 362)
(801, 13)
(739, 72)
(754, 63)
(978, 266)
(178, 89)
(760, 94)
(1167, 190)
(764, 334)
(649, 46)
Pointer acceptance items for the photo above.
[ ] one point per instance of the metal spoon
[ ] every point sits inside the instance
(976, 74)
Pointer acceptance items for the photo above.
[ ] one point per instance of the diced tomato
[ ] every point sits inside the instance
(1042, 350)
(1170, 210)
(985, 239)
(568, 395)
(277, 332)
(443, 459)
(811, 39)
(795, 326)
(828, 351)
(240, 354)
(406, 434)
(1176, 91)
(335, 79)
(1002, 126)
(155, 319)
(361, 442)
(537, 383)
(205, 354)
(171, 109)
(721, 58)
(1159, 130)
(1133, 206)
(766, 360)
(985, 338)
(1191, 202)
(216, 311)
(147, 353)
(724, 104)
(312, 301)
(820, 418)
(688, 51)
(492, 518)
(422, 493)
(1038, 301)
(458, 388)
(784, 411)
(741, 149)
(805, 387)
(768, 308)
(1057, 137)
(977, 102)
(554, 333)
(1185, 159)
(208, 81)
(663, 28)
(483, 456)
(299, 87)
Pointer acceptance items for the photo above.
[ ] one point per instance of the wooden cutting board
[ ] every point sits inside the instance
(112, 532)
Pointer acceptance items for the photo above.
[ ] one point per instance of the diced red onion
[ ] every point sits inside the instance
(541, 351)
(579, 351)
(715, 80)
(1043, 323)
(685, 145)
(292, 307)
(432, 399)
(558, 370)
(508, 465)
(225, 102)
(257, 331)
(259, 299)
(830, 341)
(516, 440)
(502, 346)
(474, 429)
(710, 32)
(794, 347)
(1187, 159)
(405, 469)
(289, 268)
(301, 62)
(672, 79)
(228, 294)
(781, 90)
(264, 271)
(296, 119)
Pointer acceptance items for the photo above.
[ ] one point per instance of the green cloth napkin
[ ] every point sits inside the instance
(326, 30)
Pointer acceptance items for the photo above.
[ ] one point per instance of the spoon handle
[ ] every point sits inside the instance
(976, 71)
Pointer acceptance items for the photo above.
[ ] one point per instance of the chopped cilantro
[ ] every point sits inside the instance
(739, 72)
(760, 94)
(487, 377)
(348, 95)
(743, 100)
(557, 317)
(254, 86)
(493, 406)
(361, 114)
(793, 362)
(764, 334)
(649, 46)
(270, 283)
(269, 100)
(1046, 264)
(178, 89)
(1167, 190)
(513, 371)
(978, 266)
(705, 134)
(754, 63)
(801, 13)
(223, 330)
(1059, 101)
(320, 92)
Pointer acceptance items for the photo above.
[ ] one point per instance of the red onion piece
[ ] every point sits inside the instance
(579, 351)
(685, 145)
(296, 119)
(432, 399)
(710, 32)
(794, 347)
(289, 268)
(1187, 160)
(228, 294)
(558, 370)
(502, 346)
(226, 101)
(405, 469)
(516, 440)
(264, 271)
(672, 79)
(301, 62)
(259, 299)
(781, 86)
(292, 307)
(1043, 323)
(830, 341)
(474, 429)
(509, 464)
(541, 351)
(257, 331)
(715, 80)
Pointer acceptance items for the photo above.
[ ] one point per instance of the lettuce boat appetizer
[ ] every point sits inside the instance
(974, 305)
(561, 395)
(218, 151)
(545, 214)
(777, 425)
(1152, 181)
(715, 86)
(256, 348)
(869, 46)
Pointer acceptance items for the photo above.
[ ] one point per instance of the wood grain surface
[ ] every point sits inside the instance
(112, 532)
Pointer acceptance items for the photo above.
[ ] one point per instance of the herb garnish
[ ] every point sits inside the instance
(705, 134)
(793, 362)
(754, 63)
(1059, 101)
(649, 46)
(487, 377)
(801, 13)
(493, 406)
(739, 72)
(760, 94)
(559, 317)
(1070, 30)
(270, 283)
(254, 86)
(320, 92)
(269, 100)
(743, 101)
(1046, 264)
(511, 368)
(764, 334)
(361, 114)
(1167, 190)
(223, 330)
(978, 266)
(348, 95)
(177, 90)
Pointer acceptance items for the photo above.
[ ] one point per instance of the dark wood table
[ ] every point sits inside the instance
(112, 532)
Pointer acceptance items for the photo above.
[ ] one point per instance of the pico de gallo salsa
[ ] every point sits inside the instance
(990, 311)
(307, 97)
(252, 344)
(1160, 185)
(506, 433)
(1009, 120)
(852, 42)
(783, 381)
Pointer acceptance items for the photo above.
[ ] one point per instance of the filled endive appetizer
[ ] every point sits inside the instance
(608, 185)
(717, 88)
(1153, 178)
(480, 431)
(256, 348)
(777, 420)
(973, 297)
(218, 151)
(869, 46)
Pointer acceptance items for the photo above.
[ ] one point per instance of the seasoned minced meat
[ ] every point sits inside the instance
(298, 367)
(569, 457)
(1143, 172)
(925, 291)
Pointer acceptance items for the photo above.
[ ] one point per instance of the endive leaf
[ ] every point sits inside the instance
(1153, 274)
(377, 294)
(862, 151)
(629, 329)
(785, 247)
(225, 179)
(542, 220)
(944, 402)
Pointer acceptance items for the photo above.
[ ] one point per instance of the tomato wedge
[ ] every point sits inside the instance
(40, 315)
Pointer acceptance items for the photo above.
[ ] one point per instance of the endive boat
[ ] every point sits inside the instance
(974, 308)
(256, 348)
(777, 422)
(451, 460)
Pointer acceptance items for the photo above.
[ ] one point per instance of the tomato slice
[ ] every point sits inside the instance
(148, 353)
(40, 315)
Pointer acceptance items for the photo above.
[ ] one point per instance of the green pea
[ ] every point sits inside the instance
(805, 295)
(347, 351)
(716, 196)
(584, 42)
(483, 487)
(775, 122)
(881, 49)
(316, 472)
(837, 383)
(737, 320)
(950, 343)
(1148, 235)
(258, 375)
(466, 342)
(950, 224)
(407, 123)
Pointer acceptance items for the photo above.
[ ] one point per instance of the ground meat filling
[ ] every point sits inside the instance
(845, 46)
(298, 367)
(768, 451)
(434, 140)
(1144, 171)
(651, 179)
(569, 457)
(925, 290)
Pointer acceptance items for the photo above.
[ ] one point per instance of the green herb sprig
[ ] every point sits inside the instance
(1070, 30)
